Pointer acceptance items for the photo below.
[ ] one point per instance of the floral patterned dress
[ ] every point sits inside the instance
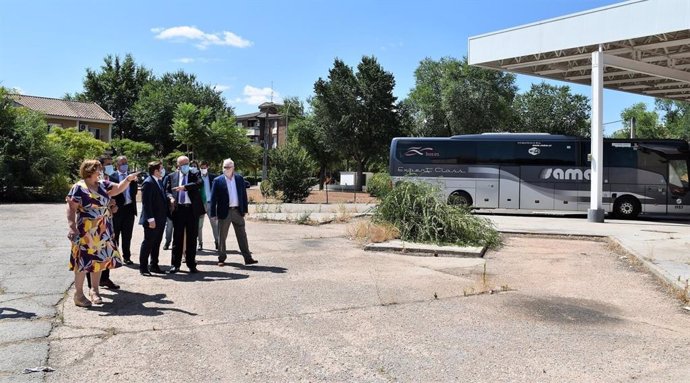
(94, 248)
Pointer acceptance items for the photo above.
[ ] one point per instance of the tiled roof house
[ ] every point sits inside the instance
(86, 116)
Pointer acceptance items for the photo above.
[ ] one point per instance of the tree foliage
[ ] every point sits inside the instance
(676, 117)
(213, 137)
(451, 97)
(115, 88)
(78, 146)
(291, 173)
(309, 134)
(646, 123)
(358, 110)
(552, 109)
(138, 153)
(31, 166)
(159, 99)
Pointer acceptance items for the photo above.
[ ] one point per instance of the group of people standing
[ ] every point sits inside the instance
(102, 207)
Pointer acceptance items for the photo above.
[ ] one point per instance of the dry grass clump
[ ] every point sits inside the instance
(369, 232)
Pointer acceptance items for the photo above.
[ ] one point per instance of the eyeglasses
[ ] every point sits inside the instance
(228, 167)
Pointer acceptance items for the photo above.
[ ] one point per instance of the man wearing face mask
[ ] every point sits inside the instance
(183, 192)
(207, 179)
(123, 220)
(229, 205)
(154, 212)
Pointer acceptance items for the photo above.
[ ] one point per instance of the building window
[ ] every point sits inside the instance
(96, 132)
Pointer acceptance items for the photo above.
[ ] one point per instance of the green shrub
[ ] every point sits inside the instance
(291, 173)
(380, 185)
(267, 189)
(421, 215)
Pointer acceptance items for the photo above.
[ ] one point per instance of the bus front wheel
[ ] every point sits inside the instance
(460, 198)
(626, 207)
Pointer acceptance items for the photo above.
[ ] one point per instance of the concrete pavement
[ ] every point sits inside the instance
(662, 245)
(319, 308)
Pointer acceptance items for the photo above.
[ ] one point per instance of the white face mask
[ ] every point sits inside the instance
(228, 172)
(204, 172)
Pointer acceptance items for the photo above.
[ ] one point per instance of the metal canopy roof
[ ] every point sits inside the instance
(646, 45)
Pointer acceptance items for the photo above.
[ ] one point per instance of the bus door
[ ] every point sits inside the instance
(678, 192)
(509, 187)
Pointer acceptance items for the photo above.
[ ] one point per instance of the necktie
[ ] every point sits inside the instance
(183, 194)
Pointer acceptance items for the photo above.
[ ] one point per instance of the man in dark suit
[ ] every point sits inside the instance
(154, 213)
(207, 180)
(123, 219)
(182, 189)
(229, 205)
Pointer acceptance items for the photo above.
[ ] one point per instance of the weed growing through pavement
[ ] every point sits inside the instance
(421, 215)
(366, 231)
(304, 219)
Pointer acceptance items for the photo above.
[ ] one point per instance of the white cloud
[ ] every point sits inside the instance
(204, 40)
(256, 96)
(221, 88)
(17, 90)
(185, 60)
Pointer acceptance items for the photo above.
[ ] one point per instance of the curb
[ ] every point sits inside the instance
(428, 250)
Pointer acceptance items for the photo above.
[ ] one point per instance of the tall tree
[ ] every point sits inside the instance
(358, 111)
(115, 88)
(452, 97)
(646, 123)
(158, 100)
(676, 117)
(313, 137)
(552, 109)
(190, 125)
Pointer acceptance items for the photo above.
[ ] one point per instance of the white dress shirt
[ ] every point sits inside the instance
(128, 197)
(232, 191)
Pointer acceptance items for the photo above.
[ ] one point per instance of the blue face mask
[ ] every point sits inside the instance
(184, 169)
(193, 169)
(109, 169)
(123, 168)
(162, 172)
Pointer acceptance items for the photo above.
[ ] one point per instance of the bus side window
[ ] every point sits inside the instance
(678, 176)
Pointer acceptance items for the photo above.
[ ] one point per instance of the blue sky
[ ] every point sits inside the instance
(251, 49)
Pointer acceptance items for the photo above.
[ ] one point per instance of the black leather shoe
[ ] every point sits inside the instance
(173, 270)
(156, 269)
(166, 247)
(250, 261)
(201, 247)
(109, 284)
(193, 270)
(128, 262)
(144, 273)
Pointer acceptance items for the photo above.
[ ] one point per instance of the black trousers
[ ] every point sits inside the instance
(123, 224)
(150, 247)
(184, 222)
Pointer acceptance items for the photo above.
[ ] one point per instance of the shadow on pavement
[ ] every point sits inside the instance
(271, 269)
(126, 303)
(205, 276)
(10, 313)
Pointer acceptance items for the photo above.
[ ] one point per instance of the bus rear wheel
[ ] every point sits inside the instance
(460, 198)
(626, 207)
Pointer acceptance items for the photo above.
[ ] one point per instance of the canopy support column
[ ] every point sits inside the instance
(595, 212)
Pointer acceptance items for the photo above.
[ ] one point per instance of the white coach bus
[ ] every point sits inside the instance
(538, 172)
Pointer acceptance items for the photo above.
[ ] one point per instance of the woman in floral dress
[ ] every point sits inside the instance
(90, 229)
